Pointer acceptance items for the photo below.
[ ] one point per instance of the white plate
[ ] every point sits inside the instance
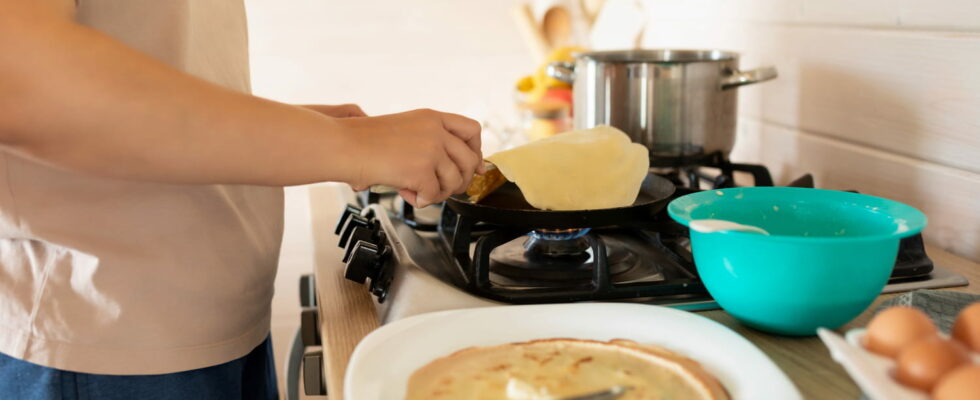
(382, 363)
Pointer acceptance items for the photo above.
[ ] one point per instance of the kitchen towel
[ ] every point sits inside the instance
(941, 305)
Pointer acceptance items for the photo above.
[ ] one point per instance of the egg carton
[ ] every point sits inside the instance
(873, 373)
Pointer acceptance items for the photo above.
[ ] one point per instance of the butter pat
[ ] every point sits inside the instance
(577, 170)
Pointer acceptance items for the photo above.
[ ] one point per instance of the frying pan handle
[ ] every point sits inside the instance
(563, 71)
(742, 78)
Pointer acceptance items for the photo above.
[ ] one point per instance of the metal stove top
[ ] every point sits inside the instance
(415, 262)
(415, 275)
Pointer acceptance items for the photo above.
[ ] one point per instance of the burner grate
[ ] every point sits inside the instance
(595, 280)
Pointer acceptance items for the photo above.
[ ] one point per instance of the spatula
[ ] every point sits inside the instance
(482, 185)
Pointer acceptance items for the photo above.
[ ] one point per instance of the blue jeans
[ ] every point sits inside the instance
(249, 377)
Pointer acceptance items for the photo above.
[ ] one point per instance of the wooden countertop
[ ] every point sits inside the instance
(348, 313)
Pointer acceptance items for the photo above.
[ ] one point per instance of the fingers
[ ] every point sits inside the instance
(434, 154)
(464, 128)
(429, 191)
(450, 178)
(467, 162)
(410, 196)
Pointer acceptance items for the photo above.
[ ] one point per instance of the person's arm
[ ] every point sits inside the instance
(75, 98)
(338, 111)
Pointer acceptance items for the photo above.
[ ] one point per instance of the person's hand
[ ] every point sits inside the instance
(428, 155)
(338, 111)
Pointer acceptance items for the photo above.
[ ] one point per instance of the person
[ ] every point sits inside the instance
(141, 201)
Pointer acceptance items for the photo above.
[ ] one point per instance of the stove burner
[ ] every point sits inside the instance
(559, 234)
(547, 243)
(530, 260)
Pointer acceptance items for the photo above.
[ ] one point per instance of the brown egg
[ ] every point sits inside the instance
(897, 327)
(967, 327)
(923, 363)
(962, 383)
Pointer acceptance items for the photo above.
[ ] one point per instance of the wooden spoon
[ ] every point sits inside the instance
(557, 26)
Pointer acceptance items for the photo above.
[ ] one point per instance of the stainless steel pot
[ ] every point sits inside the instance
(678, 103)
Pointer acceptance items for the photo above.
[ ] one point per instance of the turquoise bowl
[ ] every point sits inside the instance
(828, 255)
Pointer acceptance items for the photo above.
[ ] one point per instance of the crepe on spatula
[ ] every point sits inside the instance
(577, 170)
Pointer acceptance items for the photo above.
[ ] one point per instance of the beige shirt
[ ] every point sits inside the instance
(121, 277)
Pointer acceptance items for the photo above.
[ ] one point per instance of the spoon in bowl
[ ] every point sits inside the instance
(718, 225)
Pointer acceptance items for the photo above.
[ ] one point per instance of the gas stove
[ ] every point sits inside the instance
(442, 257)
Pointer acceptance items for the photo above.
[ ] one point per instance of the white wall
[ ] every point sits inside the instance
(879, 96)
(388, 56)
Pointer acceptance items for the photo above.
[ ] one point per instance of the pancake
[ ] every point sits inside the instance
(587, 169)
(556, 368)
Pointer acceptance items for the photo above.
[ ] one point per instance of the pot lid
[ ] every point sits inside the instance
(658, 55)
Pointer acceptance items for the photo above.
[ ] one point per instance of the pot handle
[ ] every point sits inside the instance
(563, 71)
(742, 78)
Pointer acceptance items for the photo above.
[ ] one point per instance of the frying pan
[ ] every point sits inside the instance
(506, 206)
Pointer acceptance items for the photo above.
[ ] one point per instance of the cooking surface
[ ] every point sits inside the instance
(633, 259)
(629, 254)
(428, 269)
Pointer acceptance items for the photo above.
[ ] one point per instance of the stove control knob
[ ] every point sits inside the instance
(371, 234)
(313, 372)
(364, 262)
(348, 211)
(355, 221)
